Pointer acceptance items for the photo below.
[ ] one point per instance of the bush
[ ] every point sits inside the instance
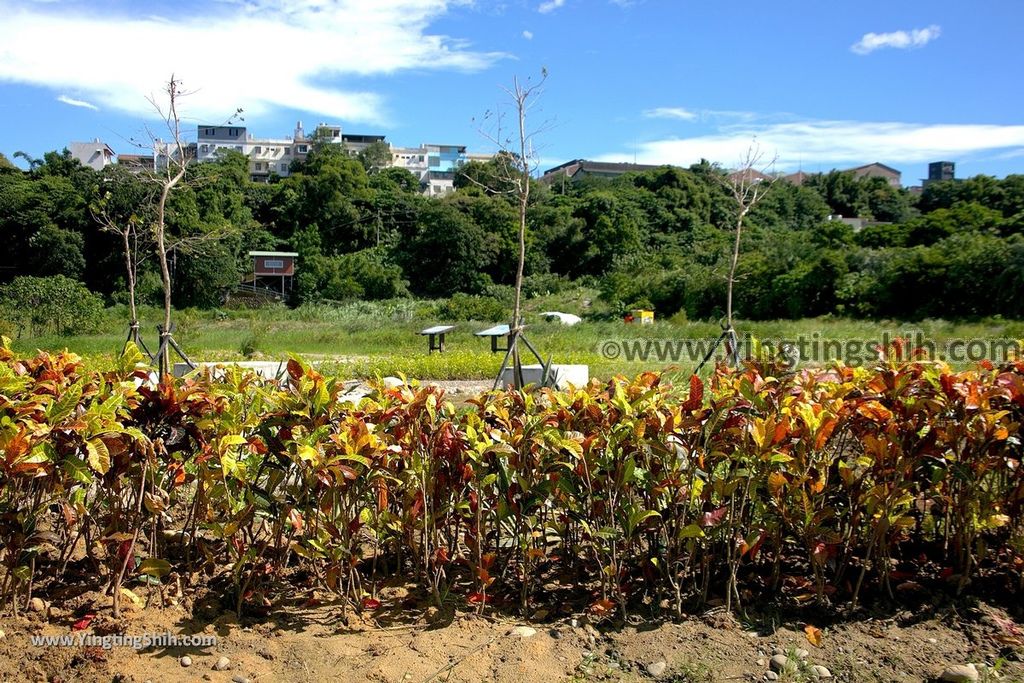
(50, 305)
(472, 307)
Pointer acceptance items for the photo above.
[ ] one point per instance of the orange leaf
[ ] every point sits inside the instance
(813, 635)
(873, 410)
(776, 480)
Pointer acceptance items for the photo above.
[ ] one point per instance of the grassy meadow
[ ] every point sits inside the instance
(365, 339)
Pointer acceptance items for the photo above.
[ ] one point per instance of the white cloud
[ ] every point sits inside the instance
(918, 37)
(670, 113)
(77, 103)
(254, 54)
(550, 6)
(814, 142)
(528, 35)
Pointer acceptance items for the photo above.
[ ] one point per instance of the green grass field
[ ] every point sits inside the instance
(367, 339)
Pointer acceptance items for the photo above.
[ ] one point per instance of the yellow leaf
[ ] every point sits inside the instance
(813, 635)
(307, 453)
(998, 520)
(99, 456)
(131, 596)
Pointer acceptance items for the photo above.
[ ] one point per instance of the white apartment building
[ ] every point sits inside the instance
(434, 165)
(96, 154)
(269, 156)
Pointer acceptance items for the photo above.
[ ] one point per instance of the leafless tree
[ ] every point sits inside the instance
(747, 185)
(172, 174)
(125, 222)
(174, 158)
(517, 160)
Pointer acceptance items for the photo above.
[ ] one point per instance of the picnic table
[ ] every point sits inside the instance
(496, 333)
(436, 337)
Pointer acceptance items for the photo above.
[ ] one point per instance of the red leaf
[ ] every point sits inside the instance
(696, 398)
(475, 598)
(296, 519)
(714, 518)
(83, 623)
(371, 603)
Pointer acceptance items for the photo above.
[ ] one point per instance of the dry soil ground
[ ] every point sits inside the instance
(314, 642)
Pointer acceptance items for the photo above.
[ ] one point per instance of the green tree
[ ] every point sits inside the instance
(375, 157)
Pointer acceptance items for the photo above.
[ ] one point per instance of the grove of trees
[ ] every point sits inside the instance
(659, 238)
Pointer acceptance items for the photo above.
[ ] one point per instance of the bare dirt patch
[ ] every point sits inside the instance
(316, 642)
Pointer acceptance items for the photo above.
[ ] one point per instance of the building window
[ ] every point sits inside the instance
(258, 150)
(205, 148)
(273, 264)
(287, 150)
(284, 168)
(301, 149)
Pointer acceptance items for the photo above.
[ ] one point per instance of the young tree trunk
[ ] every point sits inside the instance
(130, 271)
(171, 179)
(524, 198)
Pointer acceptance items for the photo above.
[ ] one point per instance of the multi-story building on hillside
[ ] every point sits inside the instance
(877, 170)
(96, 154)
(433, 165)
(274, 156)
(939, 171)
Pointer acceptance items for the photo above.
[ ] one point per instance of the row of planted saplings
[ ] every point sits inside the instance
(628, 492)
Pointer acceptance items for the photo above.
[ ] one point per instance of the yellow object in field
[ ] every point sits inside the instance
(645, 317)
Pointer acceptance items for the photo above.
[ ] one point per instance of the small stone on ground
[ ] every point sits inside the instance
(656, 668)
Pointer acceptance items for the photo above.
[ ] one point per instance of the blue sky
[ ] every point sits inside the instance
(819, 83)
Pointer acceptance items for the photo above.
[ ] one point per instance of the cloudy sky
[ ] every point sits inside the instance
(818, 84)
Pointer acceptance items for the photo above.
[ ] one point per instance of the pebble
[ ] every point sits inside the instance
(802, 654)
(960, 673)
(37, 605)
(818, 671)
(223, 664)
(239, 678)
(761, 662)
(185, 661)
(933, 641)
(2, 634)
(778, 651)
(771, 676)
(779, 662)
(656, 668)
(524, 631)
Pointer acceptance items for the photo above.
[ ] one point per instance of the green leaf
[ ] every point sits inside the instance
(65, 404)
(691, 531)
(76, 469)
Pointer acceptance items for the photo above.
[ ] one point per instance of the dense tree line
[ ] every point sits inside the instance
(658, 238)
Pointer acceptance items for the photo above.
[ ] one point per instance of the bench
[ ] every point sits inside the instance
(496, 333)
(436, 337)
